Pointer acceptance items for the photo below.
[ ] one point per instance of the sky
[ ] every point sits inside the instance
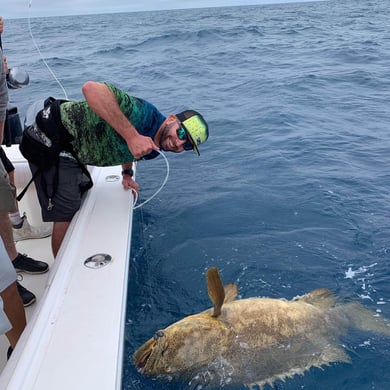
(34, 8)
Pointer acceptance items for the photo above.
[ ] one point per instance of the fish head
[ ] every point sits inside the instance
(182, 347)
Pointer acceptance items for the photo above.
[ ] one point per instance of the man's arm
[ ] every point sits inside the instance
(103, 102)
(127, 166)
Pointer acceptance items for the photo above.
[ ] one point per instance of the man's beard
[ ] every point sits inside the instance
(164, 138)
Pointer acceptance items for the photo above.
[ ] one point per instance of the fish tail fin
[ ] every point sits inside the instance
(365, 319)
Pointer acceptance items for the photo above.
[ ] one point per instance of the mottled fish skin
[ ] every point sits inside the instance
(254, 340)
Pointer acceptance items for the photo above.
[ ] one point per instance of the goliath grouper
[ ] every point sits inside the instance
(253, 341)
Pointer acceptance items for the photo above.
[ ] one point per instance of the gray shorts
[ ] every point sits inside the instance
(69, 190)
(7, 192)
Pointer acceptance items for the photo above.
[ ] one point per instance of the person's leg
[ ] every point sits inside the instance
(13, 307)
(8, 204)
(65, 200)
(7, 236)
(9, 167)
(19, 261)
(12, 303)
(59, 231)
(22, 230)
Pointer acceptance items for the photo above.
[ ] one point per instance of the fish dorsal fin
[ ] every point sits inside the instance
(321, 297)
(215, 290)
(231, 292)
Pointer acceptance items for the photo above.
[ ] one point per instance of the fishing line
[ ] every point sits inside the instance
(147, 268)
(41, 55)
(161, 187)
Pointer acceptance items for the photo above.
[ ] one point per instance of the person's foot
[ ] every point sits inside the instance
(23, 263)
(24, 231)
(28, 297)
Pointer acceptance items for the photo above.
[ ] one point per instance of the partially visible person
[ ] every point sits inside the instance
(12, 302)
(20, 262)
(22, 230)
(10, 292)
(108, 128)
(8, 204)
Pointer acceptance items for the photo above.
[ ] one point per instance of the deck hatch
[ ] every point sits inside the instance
(98, 261)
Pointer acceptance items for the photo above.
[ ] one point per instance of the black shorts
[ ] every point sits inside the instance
(69, 193)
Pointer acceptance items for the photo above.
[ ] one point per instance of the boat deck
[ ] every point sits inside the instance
(74, 335)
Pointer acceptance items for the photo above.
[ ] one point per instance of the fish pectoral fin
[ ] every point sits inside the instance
(215, 290)
(332, 353)
(231, 292)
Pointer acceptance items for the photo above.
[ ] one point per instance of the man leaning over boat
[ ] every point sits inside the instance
(108, 128)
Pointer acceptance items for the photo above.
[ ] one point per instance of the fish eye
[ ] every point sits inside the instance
(158, 334)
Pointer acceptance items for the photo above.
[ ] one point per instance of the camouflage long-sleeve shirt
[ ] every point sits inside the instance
(95, 141)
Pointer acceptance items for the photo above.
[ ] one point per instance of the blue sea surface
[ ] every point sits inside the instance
(292, 189)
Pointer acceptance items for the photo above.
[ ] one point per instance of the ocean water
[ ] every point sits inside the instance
(292, 189)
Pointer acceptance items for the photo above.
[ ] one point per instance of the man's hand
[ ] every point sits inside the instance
(129, 184)
(140, 145)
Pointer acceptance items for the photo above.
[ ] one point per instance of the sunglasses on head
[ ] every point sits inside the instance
(182, 135)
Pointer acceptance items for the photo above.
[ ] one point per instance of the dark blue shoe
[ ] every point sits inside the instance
(28, 297)
(23, 263)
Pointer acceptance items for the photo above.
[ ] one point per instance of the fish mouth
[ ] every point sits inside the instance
(149, 354)
(142, 355)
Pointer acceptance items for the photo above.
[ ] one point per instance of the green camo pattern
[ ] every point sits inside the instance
(95, 141)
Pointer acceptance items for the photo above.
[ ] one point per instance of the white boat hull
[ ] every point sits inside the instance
(74, 336)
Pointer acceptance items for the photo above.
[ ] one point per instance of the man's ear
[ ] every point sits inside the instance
(171, 118)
